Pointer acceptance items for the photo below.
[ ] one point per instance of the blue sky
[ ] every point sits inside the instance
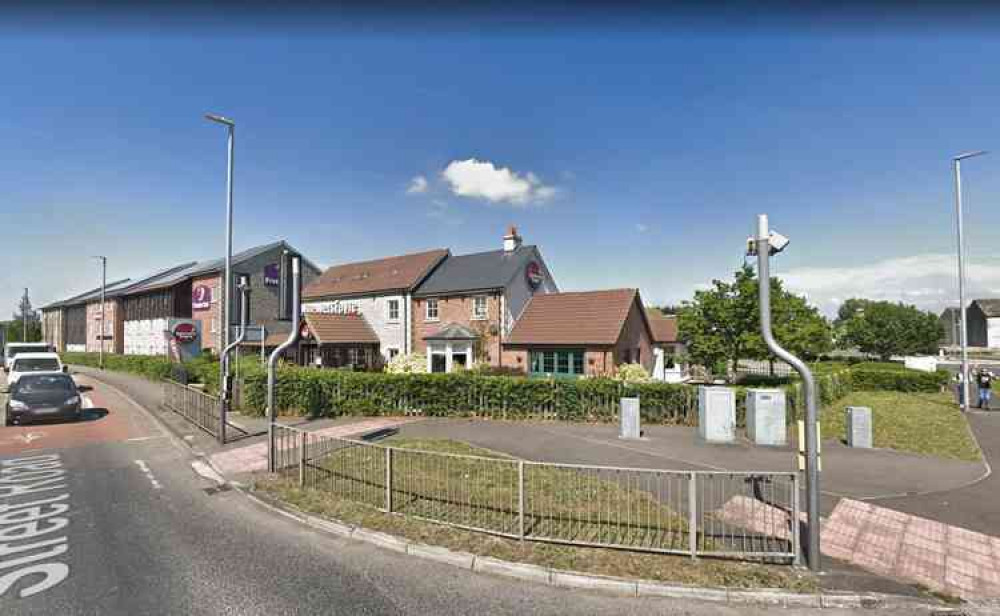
(633, 157)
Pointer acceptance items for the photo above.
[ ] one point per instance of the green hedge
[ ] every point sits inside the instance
(315, 392)
(867, 378)
(202, 369)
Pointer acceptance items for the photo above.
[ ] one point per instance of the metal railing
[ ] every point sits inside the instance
(192, 404)
(698, 513)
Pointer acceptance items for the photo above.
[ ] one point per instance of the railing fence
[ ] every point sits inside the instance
(192, 404)
(743, 515)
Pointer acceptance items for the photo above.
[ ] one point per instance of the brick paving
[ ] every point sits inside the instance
(254, 457)
(944, 558)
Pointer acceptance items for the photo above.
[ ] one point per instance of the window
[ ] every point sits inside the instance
(432, 310)
(479, 307)
(561, 362)
(393, 309)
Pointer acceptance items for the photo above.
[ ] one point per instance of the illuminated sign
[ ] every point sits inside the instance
(201, 297)
(533, 274)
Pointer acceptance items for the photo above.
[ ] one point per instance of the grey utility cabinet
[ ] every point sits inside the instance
(628, 418)
(766, 423)
(717, 414)
(859, 427)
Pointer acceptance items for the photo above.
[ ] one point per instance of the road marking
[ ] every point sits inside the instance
(207, 471)
(149, 474)
(28, 437)
(21, 522)
(139, 439)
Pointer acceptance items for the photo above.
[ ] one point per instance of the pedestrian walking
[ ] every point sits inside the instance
(985, 383)
(959, 379)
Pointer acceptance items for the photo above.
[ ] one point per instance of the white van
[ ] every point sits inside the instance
(33, 363)
(13, 348)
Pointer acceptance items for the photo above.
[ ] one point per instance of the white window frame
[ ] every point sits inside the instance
(427, 310)
(389, 304)
(476, 315)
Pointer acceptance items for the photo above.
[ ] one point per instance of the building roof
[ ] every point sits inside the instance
(663, 328)
(476, 272)
(990, 307)
(575, 318)
(217, 265)
(153, 279)
(400, 273)
(74, 298)
(453, 331)
(340, 328)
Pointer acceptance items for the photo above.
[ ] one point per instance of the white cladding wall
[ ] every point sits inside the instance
(993, 333)
(146, 337)
(518, 293)
(391, 334)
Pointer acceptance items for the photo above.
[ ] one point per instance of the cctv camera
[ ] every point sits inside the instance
(777, 241)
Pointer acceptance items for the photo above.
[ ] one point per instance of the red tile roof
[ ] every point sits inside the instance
(390, 274)
(664, 327)
(340, 328)
(585, 317)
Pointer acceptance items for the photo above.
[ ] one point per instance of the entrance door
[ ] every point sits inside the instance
(439, 363)
(460, 361)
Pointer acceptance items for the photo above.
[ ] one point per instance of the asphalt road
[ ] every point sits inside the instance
(106, 516)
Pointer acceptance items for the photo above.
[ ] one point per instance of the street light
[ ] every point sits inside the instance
(226, 286)
(104, 278)
(763, 245)
(957, 161)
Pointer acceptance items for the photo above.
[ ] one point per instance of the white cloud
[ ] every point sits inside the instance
(478, 179)
(929, 281)
(641, 228)
(418, 185)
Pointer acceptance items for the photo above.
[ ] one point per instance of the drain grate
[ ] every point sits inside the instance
(222, 487)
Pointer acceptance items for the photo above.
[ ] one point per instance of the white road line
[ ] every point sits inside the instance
(149, 474)
(207, 471)
(139, 439)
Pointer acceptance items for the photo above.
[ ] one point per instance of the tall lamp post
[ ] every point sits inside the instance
(227, 284)
(957, 165)
(104, 279)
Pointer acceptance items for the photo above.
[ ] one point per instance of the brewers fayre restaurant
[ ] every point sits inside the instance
(144, 316)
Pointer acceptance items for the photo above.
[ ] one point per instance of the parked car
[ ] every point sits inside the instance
(11, 350)
(34, 363)
(43, 396)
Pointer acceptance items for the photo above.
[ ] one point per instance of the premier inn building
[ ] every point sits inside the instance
(140, 314)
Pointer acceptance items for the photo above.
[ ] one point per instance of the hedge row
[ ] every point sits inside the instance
(203, 369)
(315, 392)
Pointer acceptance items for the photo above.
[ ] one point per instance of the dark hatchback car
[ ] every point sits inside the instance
(43, 396)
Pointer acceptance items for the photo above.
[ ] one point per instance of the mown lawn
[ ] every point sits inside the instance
(343, 491)
(923, 423)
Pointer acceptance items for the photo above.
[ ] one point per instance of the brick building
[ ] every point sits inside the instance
(581, 333)
(463, 312)
(377, 291)
(139, 313)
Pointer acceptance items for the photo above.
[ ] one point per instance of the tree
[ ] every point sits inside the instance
(666, 309)
(722, 324)
(886, 329)
(24, 314)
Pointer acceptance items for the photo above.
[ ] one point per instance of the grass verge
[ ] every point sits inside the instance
(929, 424)
(581, 497)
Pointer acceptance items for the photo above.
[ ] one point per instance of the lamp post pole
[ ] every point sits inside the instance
(957, 166)
(228, 276)
(104, 280)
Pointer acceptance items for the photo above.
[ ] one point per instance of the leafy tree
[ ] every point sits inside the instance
(722, 324)
(665, 309)
(886, 329)
(14, 329)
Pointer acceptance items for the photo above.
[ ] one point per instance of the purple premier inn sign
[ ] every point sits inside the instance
(272, 275)
(201, 297)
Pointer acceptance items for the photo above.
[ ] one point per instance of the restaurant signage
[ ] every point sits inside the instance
(184, 332)
(533, 274)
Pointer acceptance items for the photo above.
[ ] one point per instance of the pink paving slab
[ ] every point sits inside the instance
(254, 457)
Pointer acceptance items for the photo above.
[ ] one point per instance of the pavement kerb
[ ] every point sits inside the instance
(586, 581)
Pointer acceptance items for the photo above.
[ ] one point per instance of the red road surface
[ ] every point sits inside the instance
(111, 418)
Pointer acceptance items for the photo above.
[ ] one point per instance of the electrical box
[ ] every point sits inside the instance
(717, 414)
(628, 419)
(766, 424)
(859, 427)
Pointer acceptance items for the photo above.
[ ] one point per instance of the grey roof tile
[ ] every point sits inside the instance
(477, 271)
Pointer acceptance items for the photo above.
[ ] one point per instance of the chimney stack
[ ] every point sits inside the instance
(511, 241)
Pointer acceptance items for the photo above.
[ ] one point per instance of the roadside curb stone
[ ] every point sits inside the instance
(619, 586)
